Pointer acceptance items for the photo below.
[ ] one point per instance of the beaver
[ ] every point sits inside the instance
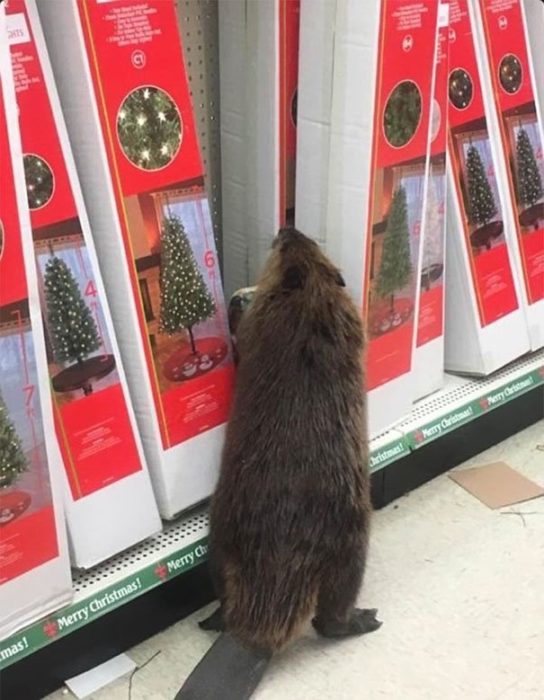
(290, 517)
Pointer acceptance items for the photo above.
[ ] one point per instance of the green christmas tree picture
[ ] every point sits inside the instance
(39, 181)
(529, 181)
(481, 202)
(72, 329)
(185, 298)
(149, 128)
(396, 264)
(402, 114)
(12, 458)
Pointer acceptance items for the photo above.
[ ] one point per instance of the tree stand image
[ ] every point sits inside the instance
(529, 182)
(395, 269)
(13, 463)
(481, 203)
(73, 332)
(185, 302)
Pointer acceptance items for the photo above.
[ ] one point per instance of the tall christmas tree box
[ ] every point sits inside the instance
(377, 181)
(428, 361)
(534, 14)
(259, 71)
(316, 61)
(109, 499)
(34, 563)
(485, 323)
(134, 140)
(508, 83)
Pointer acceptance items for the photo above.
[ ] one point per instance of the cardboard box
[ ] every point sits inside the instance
(508, 81)
(134, 140)
(485, 324)
(109, 500)
(377, 181)
(259, 71)
(428, 361)
(34, 580)
(316, 62)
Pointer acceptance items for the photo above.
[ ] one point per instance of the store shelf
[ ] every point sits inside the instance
(183, 545)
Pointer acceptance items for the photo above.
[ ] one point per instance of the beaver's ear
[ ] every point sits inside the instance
(339, 280)
(294, 277)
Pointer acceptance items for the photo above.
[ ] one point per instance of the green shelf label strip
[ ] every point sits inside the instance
(473, 409)
(76, 615)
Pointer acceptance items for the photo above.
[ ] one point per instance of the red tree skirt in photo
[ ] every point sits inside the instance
(482, 237)
(12, 505)
(184, 364)
(81, 375)
(383, 319)
(532, 216)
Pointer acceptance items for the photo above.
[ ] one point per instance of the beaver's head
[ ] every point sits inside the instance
(296, 262)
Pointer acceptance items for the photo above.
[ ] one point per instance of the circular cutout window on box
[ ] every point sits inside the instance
(402, 114)
(294, 107)
(460, 88)
(1, 239)
(510, 73)
(149, 128)
(40, 181)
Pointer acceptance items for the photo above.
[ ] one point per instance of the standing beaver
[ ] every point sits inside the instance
(290, 517)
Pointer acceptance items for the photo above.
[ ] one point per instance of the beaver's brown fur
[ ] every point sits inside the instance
(291, 513)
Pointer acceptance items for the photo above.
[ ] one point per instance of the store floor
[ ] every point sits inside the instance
(460, 589)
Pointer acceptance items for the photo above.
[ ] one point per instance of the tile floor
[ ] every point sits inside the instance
(460, 589)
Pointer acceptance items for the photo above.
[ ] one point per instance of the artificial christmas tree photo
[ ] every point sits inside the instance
(185, 302)
(529, 180)
(149, 128)
(72, 330)
(433, 245)
(402, 114)
(396, 265)
(481, 202)
(13, 463)
(39, 181)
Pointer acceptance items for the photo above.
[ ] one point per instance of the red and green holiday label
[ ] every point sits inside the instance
(521, 132)
(474, 173)
(92, 420)
(28, 536)
(406, 54)
(289, 23)
(431, 298)
(157, 177)
(85, 611)
(475, 408)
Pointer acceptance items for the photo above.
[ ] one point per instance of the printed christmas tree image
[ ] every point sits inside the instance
(72, 330)
(402, 114)
(39, 181)
(481, 202)
(529, 180)
(396, 264)
(431, 263)
(185, 302)
(149, 128)
(13, 462)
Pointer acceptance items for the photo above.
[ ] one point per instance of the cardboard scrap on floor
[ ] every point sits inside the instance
(497, 485)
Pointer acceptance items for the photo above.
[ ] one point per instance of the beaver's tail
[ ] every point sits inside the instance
(229, 671)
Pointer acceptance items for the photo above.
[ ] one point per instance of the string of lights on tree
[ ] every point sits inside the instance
(149, 128)
(529, 180)
(72, 328)
(39, 181)
(481, 202)
(396, 264)
(185, 298)
(12, 458)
